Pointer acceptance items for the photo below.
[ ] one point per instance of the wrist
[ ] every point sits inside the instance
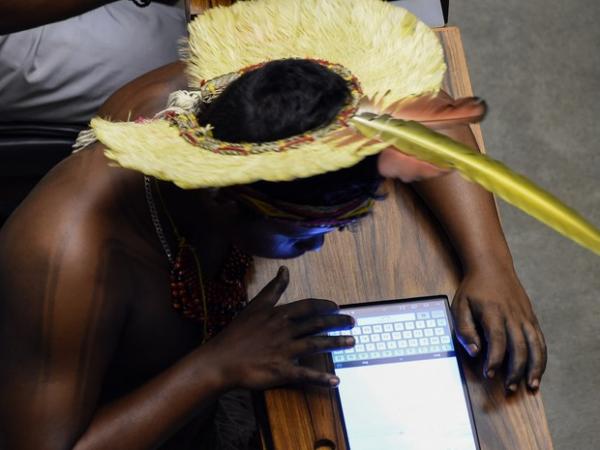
(485, 259)
(214, 363)
(210, 366)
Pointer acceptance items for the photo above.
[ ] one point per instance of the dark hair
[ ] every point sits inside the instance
(285, 98)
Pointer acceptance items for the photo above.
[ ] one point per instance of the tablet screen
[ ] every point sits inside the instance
(401, 386)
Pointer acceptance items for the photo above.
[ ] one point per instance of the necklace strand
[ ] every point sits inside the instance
(175, 264)
(213, 303)
(156, 220)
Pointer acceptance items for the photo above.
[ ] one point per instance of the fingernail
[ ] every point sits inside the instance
(473, 349)
(490, 373)
(334, 381)
(512, 387)
(535, 384)
(349, 341)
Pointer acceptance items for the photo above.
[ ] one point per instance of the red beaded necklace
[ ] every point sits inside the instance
(214, 302)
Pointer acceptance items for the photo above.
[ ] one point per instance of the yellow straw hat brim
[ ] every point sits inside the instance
(385, 47)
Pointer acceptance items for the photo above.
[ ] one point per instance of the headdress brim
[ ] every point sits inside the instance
(387, 48)
(157, 149)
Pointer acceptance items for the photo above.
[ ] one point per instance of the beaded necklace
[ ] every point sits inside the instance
(213, 303)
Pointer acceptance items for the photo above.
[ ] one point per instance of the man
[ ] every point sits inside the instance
(93, 355)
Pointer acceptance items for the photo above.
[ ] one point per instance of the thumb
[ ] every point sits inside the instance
(466, 332)
(271, 293)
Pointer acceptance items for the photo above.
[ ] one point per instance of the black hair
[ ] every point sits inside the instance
(282, 99)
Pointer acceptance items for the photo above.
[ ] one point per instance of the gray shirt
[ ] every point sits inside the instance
(63, 72)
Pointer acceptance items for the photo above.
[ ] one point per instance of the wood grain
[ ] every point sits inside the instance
(399, 251)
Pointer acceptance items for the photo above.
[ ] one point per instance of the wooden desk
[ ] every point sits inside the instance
(397, 252)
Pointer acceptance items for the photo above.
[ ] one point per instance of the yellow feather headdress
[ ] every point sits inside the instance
(395, 58)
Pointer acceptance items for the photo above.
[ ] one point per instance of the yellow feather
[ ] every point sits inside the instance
(417, 140)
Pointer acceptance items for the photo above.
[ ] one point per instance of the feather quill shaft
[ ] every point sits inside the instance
(415, 139)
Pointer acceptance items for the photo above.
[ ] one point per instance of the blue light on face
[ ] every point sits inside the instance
(313, 243)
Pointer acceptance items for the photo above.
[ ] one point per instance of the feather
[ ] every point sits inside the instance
(417, 140)
(434, 111)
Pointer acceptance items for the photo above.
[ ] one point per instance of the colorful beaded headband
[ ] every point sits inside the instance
(305, 215)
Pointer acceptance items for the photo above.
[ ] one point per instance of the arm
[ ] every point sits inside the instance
(65, 285)
(490, 295)
(17, 16)
(24, 14)
(64, 307)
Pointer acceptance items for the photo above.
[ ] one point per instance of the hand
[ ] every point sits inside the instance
(493, 299)
(259, 349)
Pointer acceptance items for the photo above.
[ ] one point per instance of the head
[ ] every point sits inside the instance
(281, 99)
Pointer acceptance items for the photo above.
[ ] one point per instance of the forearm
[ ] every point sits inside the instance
(151, 414)
(21, 15)
(468, 213)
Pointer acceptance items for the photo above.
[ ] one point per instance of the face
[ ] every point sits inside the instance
(269, 238)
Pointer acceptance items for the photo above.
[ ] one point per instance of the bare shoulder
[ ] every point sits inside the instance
(86, 215)
(61, 230)
(70, 262)
(64, 303)
(84, 196)
(73, 226)
(146, 95)
(67, 285)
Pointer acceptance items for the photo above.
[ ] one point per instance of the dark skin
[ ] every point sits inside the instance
(24, 14)
(490, 294)
(92, 355)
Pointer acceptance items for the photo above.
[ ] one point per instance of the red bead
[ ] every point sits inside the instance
(216, 301)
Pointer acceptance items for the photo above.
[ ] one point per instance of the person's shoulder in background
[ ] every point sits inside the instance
(64, 71)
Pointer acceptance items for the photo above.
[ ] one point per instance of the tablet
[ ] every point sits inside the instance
(402, 386)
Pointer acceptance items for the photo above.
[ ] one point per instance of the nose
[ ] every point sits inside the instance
(310, 244)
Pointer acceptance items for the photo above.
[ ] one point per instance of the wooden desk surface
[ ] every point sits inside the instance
(397, 252)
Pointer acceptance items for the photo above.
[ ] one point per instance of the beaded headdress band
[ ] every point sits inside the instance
(306, 215)
(200, 136)
(399, 62)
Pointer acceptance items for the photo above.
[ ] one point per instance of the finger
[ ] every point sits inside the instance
(319, 324)
(320, 344)
(495, 335)
(537, 356)
(305, 375)
(517, 360)
(307, 308)
(466, 332)
(271, 293)
(544, 348)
